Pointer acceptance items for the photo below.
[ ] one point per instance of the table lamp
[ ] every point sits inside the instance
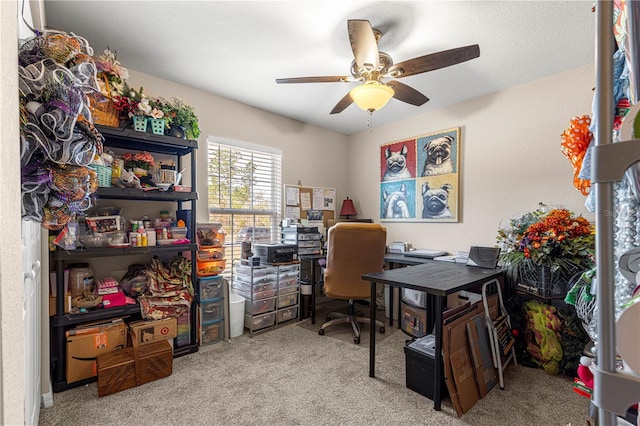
(347, 208)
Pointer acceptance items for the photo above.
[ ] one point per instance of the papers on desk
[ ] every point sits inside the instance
(461, 257)
(426, 253)
(450, 258)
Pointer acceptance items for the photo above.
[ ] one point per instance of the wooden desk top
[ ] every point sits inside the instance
(435, 277)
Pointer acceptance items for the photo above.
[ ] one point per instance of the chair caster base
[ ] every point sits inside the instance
(321, 332)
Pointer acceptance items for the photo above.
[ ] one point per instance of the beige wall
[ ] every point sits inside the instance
(510, 159)
(312, 155)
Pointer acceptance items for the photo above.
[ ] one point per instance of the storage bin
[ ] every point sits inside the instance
(258, 271)
(292, 268)
(209, 267)
(256, 295)
(260, 321)
(257, 281)
(419, 356)
(285, 300)
(208, 235)
(288, 282)
(211, 332)
(414, 297)
(211, 310)
(216, 253)
(413, 320)
(178, 232)
(288, 314)
(289, 288)
(256, 307)
(249, 288)
(211, 287)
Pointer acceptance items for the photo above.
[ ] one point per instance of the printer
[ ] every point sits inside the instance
(275, 253)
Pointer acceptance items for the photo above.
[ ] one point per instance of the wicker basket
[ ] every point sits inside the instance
(104, 175)
(102, 107)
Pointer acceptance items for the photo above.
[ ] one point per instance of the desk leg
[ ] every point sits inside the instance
(313, 291)
(372, 331)
(439, 302)
(391, 291)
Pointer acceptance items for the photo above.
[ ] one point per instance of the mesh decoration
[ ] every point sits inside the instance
(575, 141)
(73, 183)
(56, 74)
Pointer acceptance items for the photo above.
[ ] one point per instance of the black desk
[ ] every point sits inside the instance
(437, 279)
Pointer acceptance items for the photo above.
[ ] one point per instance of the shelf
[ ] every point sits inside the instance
(82, 253)
(116, 193)
(95, 315)
(128, 138)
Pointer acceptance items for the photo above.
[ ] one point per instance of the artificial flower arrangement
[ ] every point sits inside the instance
(556, 239)
(107, 65)
(181, 114)
(135, 102)
(138, 161)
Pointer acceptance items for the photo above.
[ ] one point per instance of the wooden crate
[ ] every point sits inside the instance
(134, 366)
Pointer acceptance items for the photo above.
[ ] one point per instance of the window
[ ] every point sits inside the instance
(244, 190)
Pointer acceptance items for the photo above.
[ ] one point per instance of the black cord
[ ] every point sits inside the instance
(33, 30)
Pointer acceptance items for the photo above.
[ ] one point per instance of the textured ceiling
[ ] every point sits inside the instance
(236, 49)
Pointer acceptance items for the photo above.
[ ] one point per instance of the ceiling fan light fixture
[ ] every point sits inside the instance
(371, 96)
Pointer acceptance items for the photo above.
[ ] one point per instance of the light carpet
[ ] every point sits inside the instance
(293, 376)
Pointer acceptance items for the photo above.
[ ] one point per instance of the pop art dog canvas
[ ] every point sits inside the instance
(419, 178)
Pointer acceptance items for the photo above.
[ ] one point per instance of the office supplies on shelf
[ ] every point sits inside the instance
(426, 253)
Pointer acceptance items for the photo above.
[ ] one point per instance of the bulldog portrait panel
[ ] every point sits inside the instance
(438, 153)
(398, 199)
(438, 198)
(398, 160)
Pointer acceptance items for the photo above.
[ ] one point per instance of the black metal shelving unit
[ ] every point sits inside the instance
(125, 138)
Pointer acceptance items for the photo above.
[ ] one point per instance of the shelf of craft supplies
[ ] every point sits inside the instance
(119, 137)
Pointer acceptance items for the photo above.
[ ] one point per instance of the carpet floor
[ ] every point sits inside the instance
(292, 376)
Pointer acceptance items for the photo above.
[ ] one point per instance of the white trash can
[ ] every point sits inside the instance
(236, 315)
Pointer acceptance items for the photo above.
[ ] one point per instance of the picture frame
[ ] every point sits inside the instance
(420, 178)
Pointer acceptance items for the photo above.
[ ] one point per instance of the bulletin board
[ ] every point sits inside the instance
(304, 202)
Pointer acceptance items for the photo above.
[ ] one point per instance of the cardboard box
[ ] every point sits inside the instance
(449, 347)
(152, 331)
(52, 305)
(84, 347)
(481, 354)
(117, 370)
(413, 320)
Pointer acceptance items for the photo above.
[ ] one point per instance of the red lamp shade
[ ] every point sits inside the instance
(347, 208)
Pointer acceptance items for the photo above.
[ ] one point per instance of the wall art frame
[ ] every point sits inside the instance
(420, 178)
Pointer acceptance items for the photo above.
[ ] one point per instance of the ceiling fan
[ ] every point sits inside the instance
(376, 70)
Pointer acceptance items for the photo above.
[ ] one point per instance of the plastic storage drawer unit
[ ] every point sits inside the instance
(287, 314)
(259, 306)
(419, 356)
(259, 321)
(289, 299)
(211, 287)
(211, 331)
(212, 310)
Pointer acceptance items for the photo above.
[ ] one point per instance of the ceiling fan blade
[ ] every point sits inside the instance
(344, 103)
(407, 94)
(434, 61)
(363, 44)
(325, 79)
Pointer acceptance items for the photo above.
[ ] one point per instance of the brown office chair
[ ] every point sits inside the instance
(353, 249)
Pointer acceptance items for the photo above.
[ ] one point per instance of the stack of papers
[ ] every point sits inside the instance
(462, 257)
(426, 253)
(450, 258)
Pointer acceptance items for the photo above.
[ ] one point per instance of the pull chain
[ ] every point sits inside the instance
(370, 121)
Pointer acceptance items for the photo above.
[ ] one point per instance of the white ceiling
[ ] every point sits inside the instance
(236, 49)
